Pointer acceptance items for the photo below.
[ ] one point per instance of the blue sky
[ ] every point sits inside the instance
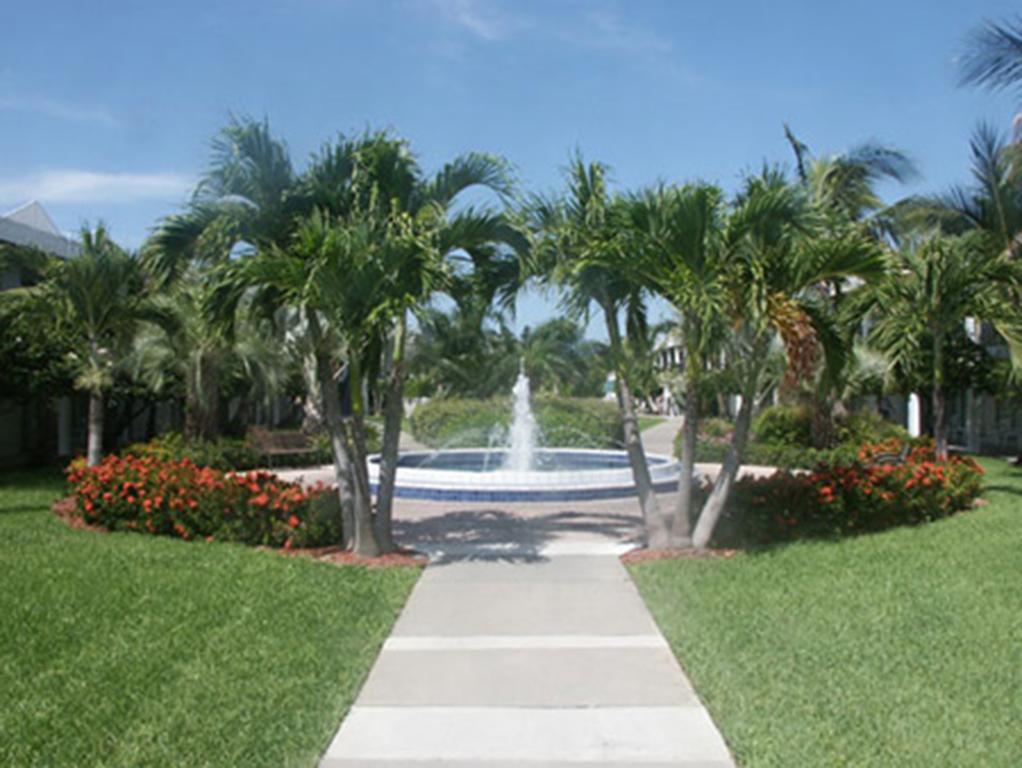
(107, 109)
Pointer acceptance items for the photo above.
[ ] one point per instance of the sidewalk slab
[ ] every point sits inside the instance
(523, 608)
(570, 568)
(528, 678)
(551, 661)
(666, 735)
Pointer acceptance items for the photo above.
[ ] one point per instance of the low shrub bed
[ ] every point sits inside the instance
(781, 437)
(182, 499)
(225, 453)
(562, 421)
(849, 497)
(234, 454)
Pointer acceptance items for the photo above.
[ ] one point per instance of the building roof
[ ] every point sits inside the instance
(32, 227)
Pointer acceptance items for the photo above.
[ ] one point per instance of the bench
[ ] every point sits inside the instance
(891, 458)
(276, 444)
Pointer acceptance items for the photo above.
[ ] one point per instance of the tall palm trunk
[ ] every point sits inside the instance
(202, 401)
(393, 412)
(717, 500)
(681, 527)
(342, 474)
(653, 521)
(318, 366)
(364, 542)
(939, 398)
(339, 449)
(312, 406)
(94, 454)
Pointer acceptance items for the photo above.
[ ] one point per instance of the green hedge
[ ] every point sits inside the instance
(781, 434)
(225, 453)
(563, 422)
(231, 454)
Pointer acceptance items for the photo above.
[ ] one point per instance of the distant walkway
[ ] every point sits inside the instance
(533, 657)
(660, 439)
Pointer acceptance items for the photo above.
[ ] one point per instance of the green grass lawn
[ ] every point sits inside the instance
(127, 650)
(896, 649)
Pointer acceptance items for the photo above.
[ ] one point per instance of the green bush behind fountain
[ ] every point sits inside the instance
(470, 423)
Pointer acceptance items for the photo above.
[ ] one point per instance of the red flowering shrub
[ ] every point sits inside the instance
(178, 498)
(850, 497)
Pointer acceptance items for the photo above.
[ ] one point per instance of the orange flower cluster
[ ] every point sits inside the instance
(178, 498)
(840, 498)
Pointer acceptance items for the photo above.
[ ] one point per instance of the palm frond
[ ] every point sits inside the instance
(474, 169)
(993, 56)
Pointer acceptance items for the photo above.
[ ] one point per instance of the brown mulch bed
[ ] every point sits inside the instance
(637, 556)
(403, 558)
(65, 510)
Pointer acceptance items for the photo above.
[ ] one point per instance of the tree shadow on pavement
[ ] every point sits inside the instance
(495, 534)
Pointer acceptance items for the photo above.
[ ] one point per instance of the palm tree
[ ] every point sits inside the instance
(843, 186)
(580, 246)
(338, 275)
(381, 177)
(993, 58)
(251, 198)
(679, 232)
(842, 190)
(559, 359)
(991, 205)
(97, 299)
(244, 199)
(376, 244)
(777, 258)
(461, 354)
(936, 284)
(185, 344)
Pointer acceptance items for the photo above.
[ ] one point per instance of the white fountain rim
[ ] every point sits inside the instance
(662, 469)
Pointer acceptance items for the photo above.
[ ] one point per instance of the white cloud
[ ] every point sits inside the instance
(77, 186)
(484, 19)
(595, 26)
(603, 28)
(60, 110)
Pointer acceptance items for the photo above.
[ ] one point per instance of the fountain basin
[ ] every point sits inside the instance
(557, 474)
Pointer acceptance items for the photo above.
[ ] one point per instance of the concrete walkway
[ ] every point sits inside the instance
(525, 644)
(531, 657)
(660, 439)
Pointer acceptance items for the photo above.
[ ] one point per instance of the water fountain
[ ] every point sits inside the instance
(522, 471)
(522, 453)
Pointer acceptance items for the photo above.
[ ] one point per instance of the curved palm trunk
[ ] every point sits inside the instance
(364, 539)
(94, 453)
(717, 500)
(318, 366)
(655, 528)
(202, 402)
(338, 448)
(312, 406)
(681, 527)
(393, 412)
